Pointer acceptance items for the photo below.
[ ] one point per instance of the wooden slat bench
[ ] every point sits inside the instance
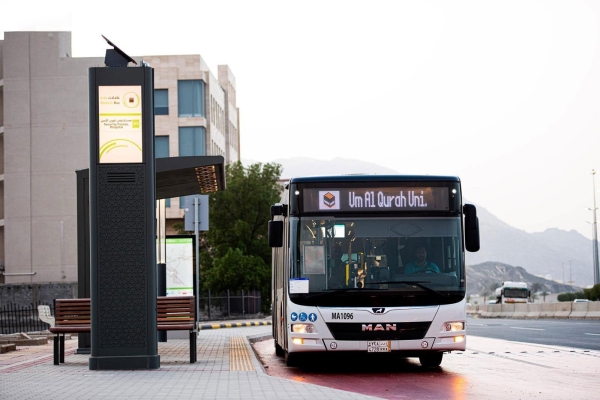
(174, 313)
(70, 316)
(178, 313)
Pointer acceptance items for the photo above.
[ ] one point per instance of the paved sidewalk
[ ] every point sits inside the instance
(227, 368)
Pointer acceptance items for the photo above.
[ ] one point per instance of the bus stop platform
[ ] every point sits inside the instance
(227, 368)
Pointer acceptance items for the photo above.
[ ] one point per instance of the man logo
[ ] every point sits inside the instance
(329, 200)
(378, 310)
(378, 327)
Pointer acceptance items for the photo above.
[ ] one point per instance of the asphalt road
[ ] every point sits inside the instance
(582, 334)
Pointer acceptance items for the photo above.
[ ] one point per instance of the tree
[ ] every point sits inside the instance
(563, 297)
(236, 254)
(592, 293)
(535, 287)
(238, 271)
(493, 286)
(544, 294)
(485, 294)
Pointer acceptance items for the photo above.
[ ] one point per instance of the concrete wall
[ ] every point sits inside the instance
(227, 82)
(45, 141)
(26, 294)
(559, 310)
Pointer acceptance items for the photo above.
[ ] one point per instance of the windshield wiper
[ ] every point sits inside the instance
(343, 290)
(416, 283)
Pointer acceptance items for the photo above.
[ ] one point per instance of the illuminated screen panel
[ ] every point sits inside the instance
(376, 199)
(120, 124)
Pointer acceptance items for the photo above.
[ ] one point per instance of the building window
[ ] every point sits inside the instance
(191, 141)
(161, 146)
(161, 102)
(190, 98)
(161, 150)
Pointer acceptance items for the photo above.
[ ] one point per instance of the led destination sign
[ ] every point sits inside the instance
(376, 199)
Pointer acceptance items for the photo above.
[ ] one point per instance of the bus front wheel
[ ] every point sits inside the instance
(431, 360)
(292, 359)
(279, 350)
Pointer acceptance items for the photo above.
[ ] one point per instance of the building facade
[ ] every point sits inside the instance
(44, 139)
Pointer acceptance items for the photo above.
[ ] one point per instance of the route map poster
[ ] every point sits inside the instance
(180, 266)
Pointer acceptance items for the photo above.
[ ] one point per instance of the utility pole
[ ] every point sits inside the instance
(594, 232)
(570, 274)
(563, 268)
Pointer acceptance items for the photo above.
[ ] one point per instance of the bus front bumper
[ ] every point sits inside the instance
(450, 343)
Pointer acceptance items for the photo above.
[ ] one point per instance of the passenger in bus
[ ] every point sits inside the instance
(337, 268)
(421, 265)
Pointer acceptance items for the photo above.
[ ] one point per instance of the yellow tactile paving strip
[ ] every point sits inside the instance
(239, 357)
(233, 325)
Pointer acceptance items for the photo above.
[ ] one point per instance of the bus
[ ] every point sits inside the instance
(512, 292)
(345, 272)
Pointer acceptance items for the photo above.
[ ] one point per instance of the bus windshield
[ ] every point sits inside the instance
(516, 293)
(344, 261)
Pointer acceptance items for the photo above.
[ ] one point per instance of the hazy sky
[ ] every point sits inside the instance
(504, 94)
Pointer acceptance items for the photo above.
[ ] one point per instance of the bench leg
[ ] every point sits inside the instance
(62, 348)
(193, 349)
(56, 349)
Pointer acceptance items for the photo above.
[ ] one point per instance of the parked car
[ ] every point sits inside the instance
(581, 301)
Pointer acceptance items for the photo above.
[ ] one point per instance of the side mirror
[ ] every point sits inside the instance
(276, 233)
(471, 228)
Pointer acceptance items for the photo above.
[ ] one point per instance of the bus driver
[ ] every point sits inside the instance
(421, 264)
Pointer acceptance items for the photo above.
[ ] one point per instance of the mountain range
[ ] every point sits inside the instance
(481, 276)
(546, 254)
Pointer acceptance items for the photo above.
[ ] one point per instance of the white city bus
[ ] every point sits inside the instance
(512, 292)
(367, 263)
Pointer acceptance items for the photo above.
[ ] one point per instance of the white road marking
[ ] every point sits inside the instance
(529, 329)
(593, 334)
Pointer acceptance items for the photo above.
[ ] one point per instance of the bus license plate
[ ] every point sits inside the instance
(379, 346)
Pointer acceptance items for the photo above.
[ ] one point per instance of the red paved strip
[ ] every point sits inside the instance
(385, 377)
(35, 362)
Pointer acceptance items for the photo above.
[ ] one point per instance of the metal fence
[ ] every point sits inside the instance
(229, 304)
(224, 305)
(15, 318)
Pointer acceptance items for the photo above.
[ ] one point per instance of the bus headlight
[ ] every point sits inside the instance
(303, 328)
(453, 326)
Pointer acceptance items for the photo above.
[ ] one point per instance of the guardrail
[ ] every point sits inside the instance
(561, 310)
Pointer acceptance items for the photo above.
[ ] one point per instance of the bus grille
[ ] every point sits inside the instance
(381, 331)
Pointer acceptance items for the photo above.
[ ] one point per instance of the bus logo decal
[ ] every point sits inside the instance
(328, 200)
(378, 327)
(378, 310)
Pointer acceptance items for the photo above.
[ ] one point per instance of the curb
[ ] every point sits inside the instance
(233, 325)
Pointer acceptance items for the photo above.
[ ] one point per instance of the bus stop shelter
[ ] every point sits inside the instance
(175, 177)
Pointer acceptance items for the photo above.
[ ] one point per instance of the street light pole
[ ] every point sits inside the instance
(595, 233)
(563, 267)
(570, 274)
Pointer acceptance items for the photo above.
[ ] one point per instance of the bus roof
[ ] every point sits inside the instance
(371, 178)
(509, 284)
